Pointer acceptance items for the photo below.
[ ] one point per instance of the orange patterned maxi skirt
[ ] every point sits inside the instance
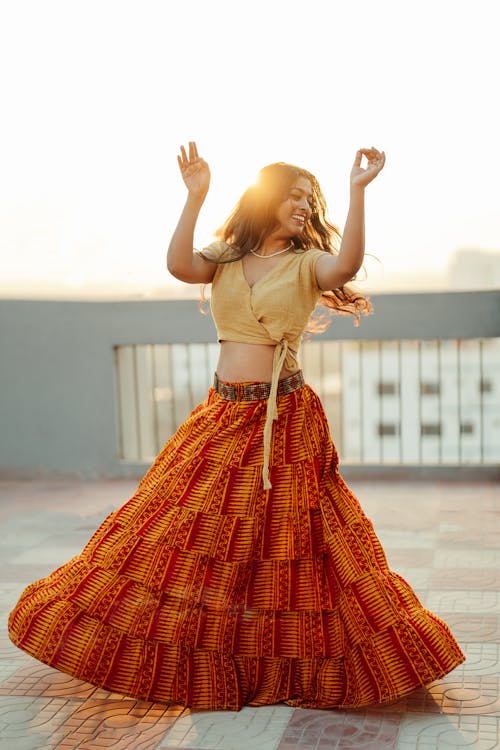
(206, 590)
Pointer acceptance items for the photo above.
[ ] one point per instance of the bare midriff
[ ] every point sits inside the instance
(242, 363)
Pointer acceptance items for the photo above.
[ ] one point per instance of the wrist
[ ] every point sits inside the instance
(357, 195)
(196, 199)
(356, 189)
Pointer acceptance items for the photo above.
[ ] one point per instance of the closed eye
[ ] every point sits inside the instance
(296, 196)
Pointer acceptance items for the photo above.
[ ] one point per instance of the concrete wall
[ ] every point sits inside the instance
(57, 394)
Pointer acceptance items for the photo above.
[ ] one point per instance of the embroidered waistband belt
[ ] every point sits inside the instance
(257, 391)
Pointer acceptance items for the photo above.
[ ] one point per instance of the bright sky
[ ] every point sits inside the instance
(97, 96)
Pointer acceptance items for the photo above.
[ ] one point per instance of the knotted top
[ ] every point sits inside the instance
(275, 310)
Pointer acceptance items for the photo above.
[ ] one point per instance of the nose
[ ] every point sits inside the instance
(303, 203)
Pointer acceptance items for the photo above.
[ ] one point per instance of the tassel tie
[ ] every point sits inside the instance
(281, 352)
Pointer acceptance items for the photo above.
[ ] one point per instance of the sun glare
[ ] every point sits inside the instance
(91, 185)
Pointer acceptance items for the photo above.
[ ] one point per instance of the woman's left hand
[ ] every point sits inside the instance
(360, 177)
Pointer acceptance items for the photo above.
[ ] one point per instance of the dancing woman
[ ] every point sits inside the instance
(243, 570)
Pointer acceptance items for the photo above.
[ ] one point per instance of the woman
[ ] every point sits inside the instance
(243, 571)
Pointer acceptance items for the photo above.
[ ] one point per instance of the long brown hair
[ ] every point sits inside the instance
(254, 218)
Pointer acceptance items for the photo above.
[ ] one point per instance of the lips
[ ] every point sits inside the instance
(299, 219)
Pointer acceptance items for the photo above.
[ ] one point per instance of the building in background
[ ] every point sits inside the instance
(474, 269)
(414, 401)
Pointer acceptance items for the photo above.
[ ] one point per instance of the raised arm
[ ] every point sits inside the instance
(181, 261)
(333, 272)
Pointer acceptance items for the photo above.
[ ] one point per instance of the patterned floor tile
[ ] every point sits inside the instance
(47, 556)
(401, 538)
(249, 729)
(7, 649)
(487, 602)
(471, 558)
(38, 723)
(410, 557)
(8, 667)
(464, 518)
(465, 695)
(418, 578)
(461, 497)
(30, 742)
(24, 573)
(418, 701)
(9, 593)
(119, 724)
(340, 730)
(470, 627)
(479, 579)
(36, 680)
(84, 725)
(31, 496)
(448, 551)
(456, 694)
(482, 659)
(471, 539)
(448, 733)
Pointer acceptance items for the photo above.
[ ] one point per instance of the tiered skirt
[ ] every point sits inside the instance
(206, 590)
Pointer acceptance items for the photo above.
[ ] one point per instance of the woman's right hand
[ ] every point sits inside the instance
(194, 170)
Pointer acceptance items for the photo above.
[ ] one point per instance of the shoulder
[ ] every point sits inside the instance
(310, 257)
(219, 252)
(308, 260)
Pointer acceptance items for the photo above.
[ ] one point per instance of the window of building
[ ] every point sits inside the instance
(387, 388)
(385, 429)
(485, 386)
(466, 428)
(430, 388)
(430, 428)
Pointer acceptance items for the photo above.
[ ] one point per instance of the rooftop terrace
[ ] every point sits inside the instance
(90, 390)
(443, 537)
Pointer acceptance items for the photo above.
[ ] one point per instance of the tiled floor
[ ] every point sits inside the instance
(443, 537)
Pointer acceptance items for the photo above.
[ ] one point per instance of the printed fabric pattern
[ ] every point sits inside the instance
(206, 590)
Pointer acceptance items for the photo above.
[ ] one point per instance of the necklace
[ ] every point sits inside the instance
(271, 255)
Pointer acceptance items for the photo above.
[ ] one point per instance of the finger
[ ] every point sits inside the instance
(193, 154)
(369, 152)
(195, 150)
(364, 152)
(377, 164)
(183, 156)
(374, 156)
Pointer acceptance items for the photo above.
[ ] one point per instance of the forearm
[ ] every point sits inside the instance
(180, 249)
(352, 248)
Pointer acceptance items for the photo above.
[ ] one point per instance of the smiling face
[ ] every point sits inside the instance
(284, 203)
(295, 210)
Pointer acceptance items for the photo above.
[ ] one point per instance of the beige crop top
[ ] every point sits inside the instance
(275, 310)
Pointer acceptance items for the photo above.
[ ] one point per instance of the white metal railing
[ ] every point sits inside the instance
(93, 388)
(387, 402)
